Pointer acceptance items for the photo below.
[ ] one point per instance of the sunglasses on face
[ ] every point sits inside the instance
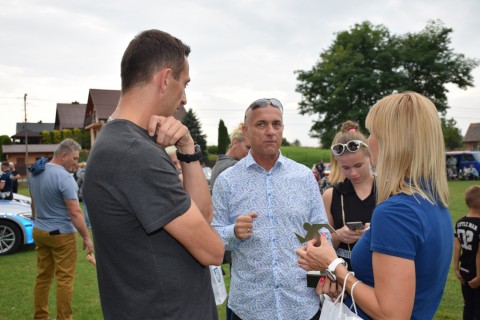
(260, 103)
(352, 146)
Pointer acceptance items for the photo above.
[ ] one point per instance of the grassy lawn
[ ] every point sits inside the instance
(17, 278)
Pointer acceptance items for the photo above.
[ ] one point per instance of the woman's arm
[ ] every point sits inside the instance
(394, 292)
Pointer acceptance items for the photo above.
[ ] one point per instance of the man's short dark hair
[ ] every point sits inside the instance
(5, 163)
(147, 53)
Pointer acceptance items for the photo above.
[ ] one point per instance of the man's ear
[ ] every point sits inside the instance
(162, 78)
(245, 131)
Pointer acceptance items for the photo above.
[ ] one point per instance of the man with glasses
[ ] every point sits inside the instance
(259, 205)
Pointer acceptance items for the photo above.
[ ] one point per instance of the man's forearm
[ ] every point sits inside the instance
(79, 223)
(196, 186)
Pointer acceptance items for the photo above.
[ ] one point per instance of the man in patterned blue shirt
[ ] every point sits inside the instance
(258, 206)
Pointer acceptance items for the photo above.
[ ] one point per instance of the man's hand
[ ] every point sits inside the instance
(244, 226)
(87, 244)
(171, 132)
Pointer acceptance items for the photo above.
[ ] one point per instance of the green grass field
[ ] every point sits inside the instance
(17, 277)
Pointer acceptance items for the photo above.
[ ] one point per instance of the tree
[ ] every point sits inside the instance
(191, 122)
(367, 63)
(46, 137)
(223, 138)
(4, 140)
(77, 135)
(451, 134)
(297, 143)
(67, 133)
(285, 142)
(56, 136)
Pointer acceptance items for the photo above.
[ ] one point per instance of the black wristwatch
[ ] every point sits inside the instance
(190, 157)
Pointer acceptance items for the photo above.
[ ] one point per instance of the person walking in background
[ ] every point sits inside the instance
(401, 263)
(466, 256)
(237, 150)
(259, 203)
(57, 216)
(352, 198)
(15, 177)
(153, 238)
(80, 180)
(6, 183)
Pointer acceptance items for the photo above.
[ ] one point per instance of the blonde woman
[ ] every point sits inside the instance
(350, 202)
(401, 263)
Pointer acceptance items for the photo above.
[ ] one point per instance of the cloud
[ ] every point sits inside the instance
(55, 51)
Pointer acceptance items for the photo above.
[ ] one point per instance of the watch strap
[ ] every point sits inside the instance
(197, 155)
(332, 266)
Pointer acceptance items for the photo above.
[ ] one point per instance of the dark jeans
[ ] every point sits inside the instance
(471, 308)
(235, 317)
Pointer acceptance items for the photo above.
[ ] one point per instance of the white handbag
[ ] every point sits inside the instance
(218, 285)
(337, 310)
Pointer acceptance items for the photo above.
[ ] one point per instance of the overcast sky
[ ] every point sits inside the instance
(56, 50)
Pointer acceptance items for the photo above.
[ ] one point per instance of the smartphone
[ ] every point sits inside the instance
(355, 225)
(313, 277)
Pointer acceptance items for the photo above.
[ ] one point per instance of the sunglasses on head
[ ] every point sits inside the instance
(260, 103)
(352, 146)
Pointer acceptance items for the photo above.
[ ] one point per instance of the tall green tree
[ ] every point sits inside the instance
(366, 63)
(451, 134)
(193, 124)
(223, 138)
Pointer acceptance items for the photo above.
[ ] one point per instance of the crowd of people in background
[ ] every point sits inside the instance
(384, 198)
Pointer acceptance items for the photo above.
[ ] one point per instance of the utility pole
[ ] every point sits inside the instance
(26, 136)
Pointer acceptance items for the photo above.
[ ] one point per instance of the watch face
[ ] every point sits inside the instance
(331, 276)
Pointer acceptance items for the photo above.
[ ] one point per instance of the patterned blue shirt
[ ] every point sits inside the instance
(266, 281)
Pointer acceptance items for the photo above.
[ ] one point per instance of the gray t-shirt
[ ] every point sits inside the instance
(49, 190)
(223, 162)
(133, 190)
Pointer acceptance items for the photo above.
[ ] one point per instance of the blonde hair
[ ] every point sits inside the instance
(411, 150)
(472, 197)
(236, 134)
(349, 131)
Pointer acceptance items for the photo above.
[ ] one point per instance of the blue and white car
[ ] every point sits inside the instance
(16, 224)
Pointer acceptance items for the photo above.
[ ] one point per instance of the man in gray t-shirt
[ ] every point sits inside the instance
(153, 239)
(237, 150)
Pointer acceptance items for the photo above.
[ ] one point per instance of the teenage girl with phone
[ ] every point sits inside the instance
(352, 198)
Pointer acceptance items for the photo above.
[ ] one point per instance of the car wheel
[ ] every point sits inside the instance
(10, 237)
